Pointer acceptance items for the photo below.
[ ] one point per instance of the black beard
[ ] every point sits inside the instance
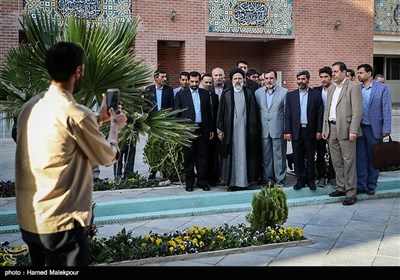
(77, 85)
(194, 87)
(302, 85)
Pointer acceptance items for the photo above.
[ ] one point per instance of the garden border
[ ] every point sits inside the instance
(225, 252)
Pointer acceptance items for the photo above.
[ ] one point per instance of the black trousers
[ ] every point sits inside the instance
(126, 160)
(213, 160)
(196, 155)
(324, 168)
(303, 157)
(66, 248)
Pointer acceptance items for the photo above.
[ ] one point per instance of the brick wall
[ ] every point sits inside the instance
(226, 54)
(316, 42)
(9, 12)
(189, 27)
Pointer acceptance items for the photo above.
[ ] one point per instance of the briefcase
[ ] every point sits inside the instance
(386, 155)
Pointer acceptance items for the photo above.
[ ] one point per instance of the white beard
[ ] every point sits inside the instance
(237, 88)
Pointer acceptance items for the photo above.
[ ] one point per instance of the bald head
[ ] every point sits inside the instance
(218, 76)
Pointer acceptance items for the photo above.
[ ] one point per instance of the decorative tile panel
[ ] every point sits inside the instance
(272, 17)
(387, 15)
(96, 10)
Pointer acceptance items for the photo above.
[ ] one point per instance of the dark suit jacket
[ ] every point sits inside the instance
(167, 99)
(314, 114)
(214, 101)
(183, 100)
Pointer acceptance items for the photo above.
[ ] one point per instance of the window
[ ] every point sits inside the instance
(393, 68)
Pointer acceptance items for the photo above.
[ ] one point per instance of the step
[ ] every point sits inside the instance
(127, 210)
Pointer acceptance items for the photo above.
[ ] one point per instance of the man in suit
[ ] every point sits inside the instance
(161, 97)
(342, 118)
(376, 123)
(219, 82)
(326, 172)
(196, 101)
(213, 151)
(271, 102)
(303, 126)
(183, 81)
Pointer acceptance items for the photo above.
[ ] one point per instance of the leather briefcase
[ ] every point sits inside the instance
(386, 155)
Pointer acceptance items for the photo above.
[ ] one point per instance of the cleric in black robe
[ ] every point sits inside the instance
(240, 149)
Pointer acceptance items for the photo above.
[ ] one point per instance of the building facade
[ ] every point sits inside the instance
(287, 35)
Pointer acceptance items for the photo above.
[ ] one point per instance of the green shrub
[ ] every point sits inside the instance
(269, 208)
(166, 156)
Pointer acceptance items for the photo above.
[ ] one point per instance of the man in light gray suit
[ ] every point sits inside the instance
(271, 100)
(342, 118)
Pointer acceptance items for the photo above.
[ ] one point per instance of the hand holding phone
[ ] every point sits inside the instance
(112, 99)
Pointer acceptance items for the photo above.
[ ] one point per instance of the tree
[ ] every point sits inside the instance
(110, 62)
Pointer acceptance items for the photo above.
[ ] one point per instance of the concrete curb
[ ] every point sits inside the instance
(185, 257)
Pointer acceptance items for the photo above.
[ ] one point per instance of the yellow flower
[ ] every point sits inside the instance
(158, 241)
(171, 249)
(182, 248)
(201, 244)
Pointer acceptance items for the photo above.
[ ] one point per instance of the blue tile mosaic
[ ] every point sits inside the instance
(387, 15)
(96, 10)
(273, 17)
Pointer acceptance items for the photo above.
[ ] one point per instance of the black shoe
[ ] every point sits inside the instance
(205, 188)
(312, 186)
(349, 200)
(321, 183)
(152, 176)
(298, 186)
(189, 189)
(370, 191)
(232, 189)
(359, 191)
(242, 189)
(337, 193)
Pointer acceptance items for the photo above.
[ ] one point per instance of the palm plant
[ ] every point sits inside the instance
(110, 62)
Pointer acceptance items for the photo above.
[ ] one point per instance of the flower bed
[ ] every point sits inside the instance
(124, 247)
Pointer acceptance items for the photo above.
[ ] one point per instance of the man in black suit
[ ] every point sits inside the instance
(161, 94)
(196, 101)
(303, 126)
(326, 172)
(161, 97)
(213, 148)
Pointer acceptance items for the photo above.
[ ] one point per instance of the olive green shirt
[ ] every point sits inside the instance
(58, 141)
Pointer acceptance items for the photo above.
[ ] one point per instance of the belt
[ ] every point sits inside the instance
(332, 122)
(303, 125)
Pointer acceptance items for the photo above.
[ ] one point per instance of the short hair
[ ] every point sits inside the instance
(194, 74)
(341, 65)
(303, 72)
(241, 61)
(326, 69)
(184, 73)
(271, 70)
(379, 76)
(158, 72)
(252, 72)
(206, 75)
(351, 71)
(367, 67)
(62, 59)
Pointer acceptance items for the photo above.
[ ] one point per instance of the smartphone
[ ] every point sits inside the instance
(112, 99)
